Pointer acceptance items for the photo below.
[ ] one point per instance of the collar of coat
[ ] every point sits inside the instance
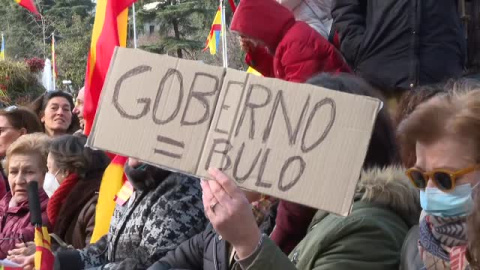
(389, 188)
(21, 207)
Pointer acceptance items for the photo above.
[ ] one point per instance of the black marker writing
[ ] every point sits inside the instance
(174, 74)
(324, 102)
(171, 142)
(131, 73)
(201, 97)
(252, 106)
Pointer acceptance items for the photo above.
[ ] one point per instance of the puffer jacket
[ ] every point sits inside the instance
(400, 44)
(316, 13)
(4, 186)
(297, 51)
(165, 210)
(370, 238)
(15, 226)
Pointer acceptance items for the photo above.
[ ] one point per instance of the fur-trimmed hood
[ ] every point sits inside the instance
(390, 187)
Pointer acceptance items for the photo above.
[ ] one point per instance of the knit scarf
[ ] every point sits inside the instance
(443, 243)
(59, 196)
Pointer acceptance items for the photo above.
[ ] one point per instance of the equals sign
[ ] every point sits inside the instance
(169, 142)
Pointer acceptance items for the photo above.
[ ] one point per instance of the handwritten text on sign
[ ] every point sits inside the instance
(293, 141)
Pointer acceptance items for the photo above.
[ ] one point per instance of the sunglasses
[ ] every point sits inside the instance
(445, 180)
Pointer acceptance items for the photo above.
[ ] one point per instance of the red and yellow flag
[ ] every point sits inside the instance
(254, 72)
(213, 38)
(54, 65)
(44, 259)
(28, 4)
(109, 31)
(112, 182)
(2, 51)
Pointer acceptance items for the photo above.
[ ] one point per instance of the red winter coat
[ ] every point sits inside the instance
(300, 51)
(3, 185)
(15, 226)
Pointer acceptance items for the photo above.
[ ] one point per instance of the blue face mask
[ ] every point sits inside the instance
(457, 203)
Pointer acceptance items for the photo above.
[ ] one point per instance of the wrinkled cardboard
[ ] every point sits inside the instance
(186, 116)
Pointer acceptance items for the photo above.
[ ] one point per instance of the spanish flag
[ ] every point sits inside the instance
(214, 36)
(54, 64)
(112, 182)
(2, 50)
(109, 31)
(44, 259)
(28, 4)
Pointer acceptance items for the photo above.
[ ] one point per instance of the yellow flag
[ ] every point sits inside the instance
(254, 72)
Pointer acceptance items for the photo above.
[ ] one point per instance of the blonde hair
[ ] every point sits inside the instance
(456, 112)
(30, 144)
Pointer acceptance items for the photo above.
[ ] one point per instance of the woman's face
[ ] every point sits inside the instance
(53, 169)
(23, 169)
(57, 116)
(451, 153)
(8, 134)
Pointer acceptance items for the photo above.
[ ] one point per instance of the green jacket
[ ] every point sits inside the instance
(370, 238)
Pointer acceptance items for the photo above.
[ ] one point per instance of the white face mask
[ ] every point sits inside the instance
(50, 184)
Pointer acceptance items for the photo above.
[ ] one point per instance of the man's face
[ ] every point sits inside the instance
(78, 110)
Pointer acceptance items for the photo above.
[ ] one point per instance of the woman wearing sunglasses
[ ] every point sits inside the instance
(445, 132)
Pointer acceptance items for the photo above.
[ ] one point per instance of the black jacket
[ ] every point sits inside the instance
(206, 250)
(399, 44)
(165, 210)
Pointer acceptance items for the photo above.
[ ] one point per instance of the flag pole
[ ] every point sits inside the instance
(224, 35)
(44, 37)
(53, 62)
(134, 27)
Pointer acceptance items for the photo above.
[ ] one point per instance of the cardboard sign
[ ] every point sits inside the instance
(297, 142)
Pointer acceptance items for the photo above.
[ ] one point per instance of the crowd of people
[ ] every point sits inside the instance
(416, 204)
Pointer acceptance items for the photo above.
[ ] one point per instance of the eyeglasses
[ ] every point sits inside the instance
(445, 180)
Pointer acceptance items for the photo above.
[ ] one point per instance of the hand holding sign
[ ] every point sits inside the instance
(230, 213)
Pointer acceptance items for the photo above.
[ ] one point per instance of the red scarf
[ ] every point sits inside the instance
(59, 197)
